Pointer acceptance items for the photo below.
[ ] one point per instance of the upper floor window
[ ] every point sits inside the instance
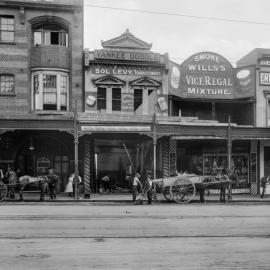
(6, 29)
(7, 84)
(116, 99)
(50, 90)
(51, 35)
(101, 98)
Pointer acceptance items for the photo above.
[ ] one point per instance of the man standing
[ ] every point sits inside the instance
(137, 186)
(264, 180)
(53, 179)
(149, 189)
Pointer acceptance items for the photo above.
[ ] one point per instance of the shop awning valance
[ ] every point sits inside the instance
(116, 128)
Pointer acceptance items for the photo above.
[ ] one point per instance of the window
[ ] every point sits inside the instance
(6, 29)
(101, 98)
(51, 35)
(138, 98)
(50, 90)
(116, 99)
(7, 84)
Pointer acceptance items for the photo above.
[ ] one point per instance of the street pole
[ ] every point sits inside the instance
(76, 143)
(155, 143)
(229, 153)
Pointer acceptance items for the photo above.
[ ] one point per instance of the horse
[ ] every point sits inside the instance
(25, 180)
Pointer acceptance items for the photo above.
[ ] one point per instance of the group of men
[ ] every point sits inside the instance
(142, 188)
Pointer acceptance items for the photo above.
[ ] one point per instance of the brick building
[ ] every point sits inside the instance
(41, 48)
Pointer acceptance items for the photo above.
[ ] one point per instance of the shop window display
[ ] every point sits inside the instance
(239, 166)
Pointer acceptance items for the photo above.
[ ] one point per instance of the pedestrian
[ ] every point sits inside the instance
(69, 186)
(137, 186)
(53, 179)
(105, 180)
(221, 176)
(149, 187)
(264, 181)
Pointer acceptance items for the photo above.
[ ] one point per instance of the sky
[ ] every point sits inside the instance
(181, 36)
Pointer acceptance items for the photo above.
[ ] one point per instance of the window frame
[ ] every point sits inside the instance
(101, 100)
(116, 101)
(37, 90)
(45, 37)
(7, 30)
(12, 92)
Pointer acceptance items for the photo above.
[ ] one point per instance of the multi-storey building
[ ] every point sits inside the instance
(41, 54)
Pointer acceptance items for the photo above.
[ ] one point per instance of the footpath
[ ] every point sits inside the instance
(127, 198)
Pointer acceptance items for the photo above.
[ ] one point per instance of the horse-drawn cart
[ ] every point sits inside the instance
(182, 188)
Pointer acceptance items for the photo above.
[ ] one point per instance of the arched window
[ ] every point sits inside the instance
(7, 84)
(50, 34)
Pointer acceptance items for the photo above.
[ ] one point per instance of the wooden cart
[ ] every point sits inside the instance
(182, 188)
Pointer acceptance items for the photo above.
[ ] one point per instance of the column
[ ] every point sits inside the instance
(86, 168)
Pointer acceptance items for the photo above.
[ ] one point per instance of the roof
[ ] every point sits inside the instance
(252, 57)
(126, 41)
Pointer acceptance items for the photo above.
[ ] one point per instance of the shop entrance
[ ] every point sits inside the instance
(43, 151)
(119, 156)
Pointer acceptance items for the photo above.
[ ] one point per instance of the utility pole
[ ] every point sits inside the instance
(229, 153)
(76, 143)
(155, 142)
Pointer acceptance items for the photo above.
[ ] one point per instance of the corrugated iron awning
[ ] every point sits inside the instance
(179, 137)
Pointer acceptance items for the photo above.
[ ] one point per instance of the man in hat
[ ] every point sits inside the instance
(53, 179)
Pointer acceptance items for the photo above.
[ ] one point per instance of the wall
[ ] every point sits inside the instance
(15, 58)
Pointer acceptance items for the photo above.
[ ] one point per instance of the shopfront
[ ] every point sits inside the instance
(214, 99)
(125, 86)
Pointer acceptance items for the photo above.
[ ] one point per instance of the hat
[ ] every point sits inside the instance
(51, 171)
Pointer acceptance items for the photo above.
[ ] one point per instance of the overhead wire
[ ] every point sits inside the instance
(178, 15)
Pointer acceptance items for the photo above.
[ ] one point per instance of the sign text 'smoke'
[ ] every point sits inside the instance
(129, 56)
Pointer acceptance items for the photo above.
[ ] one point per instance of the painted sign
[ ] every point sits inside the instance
(207, 75)
(264, 78)
(125, 70)
(127, 104)
(265, 62)
(126, 55)
(244, 82)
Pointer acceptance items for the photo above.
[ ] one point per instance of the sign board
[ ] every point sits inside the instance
(127, 102)
(264, 78)
(127, 56)
(125, 70)
(265, 62)
(208, 75)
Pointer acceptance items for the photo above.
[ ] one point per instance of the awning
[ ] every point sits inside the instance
(116, 128)
(198, 138)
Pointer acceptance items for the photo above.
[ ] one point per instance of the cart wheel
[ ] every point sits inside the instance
(167, 193)
(3, 191)
(182, 190)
